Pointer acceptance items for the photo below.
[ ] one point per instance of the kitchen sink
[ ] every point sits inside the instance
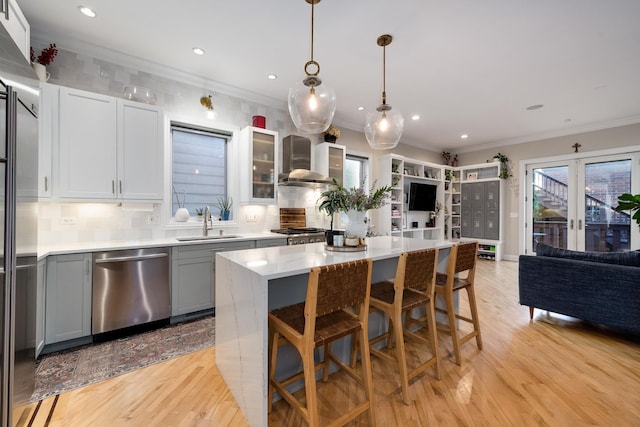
(216, 237)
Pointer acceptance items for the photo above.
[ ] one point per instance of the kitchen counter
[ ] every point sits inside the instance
(251, 282)
(114, 245)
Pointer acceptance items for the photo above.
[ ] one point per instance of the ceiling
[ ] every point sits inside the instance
(464, 66)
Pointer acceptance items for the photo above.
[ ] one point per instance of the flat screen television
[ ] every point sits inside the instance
(422, 197)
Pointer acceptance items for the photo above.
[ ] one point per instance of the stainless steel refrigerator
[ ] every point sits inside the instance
(18, 227)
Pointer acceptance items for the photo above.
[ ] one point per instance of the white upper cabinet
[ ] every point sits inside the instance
(16, 26)
(258, 165)
(329, 160)
(87, 145)
(107, 148)
(140, 151)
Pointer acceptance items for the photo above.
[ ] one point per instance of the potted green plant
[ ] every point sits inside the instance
(355, 202)
(332, 201)
(224, 204)
(505, 171)
(629, 202)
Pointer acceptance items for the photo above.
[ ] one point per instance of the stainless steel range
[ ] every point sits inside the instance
(300, 236)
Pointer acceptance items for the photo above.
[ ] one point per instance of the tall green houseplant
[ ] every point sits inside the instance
(629, 202)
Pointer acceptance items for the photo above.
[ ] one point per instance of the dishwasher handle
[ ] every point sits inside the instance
(131, 258)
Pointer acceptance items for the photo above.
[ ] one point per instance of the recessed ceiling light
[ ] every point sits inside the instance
(464, 136)
(272, 76)
(415, 117)
(534, 107)
(198, 51)
(87, 11)
(360, 108)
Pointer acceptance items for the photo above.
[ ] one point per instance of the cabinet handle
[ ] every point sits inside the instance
(113, 187)
(5, 9)
(120, 182)
(571, 225)
(579, 224)
(46, 183)
(87, 264)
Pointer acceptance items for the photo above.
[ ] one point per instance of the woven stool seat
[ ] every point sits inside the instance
(383, 291)
(329, 327)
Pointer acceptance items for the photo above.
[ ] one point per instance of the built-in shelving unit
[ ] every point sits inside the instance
(468, 202)
(396, 218)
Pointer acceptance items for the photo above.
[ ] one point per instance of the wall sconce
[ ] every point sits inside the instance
(207, 103)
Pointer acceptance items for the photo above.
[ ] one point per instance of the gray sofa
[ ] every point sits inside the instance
(600, 288)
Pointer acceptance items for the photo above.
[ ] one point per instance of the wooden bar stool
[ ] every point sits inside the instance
(462, 258)
(412, 287)
(320, 320)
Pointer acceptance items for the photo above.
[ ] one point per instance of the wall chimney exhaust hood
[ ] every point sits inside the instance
(296, 164)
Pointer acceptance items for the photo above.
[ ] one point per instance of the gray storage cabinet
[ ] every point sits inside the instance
(193, 275)
(68, 297)
(480, 210)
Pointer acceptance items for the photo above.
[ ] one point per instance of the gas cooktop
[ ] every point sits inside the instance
(294, 231)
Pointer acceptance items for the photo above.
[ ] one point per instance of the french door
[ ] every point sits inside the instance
(570, 203)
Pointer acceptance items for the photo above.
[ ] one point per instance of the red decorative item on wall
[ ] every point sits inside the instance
(259, 122)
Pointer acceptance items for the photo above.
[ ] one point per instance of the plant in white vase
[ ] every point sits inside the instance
(354, 202)
(182, 214)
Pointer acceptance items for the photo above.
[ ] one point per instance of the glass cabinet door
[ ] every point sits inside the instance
(263, 148)
(336, 163)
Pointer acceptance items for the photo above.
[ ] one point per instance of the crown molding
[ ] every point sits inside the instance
(575, 130)
(122, 59)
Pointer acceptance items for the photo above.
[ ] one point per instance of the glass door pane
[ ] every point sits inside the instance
(263, 166)
(550, 206)
(605, 230)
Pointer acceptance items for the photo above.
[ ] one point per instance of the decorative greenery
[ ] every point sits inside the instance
(337, 198)
(629, 202)
(505, 170)
(332, 131)
(448, 175)
(199, 211)
(184, 196)
(224, 204)
(47, 55)
(446, 157)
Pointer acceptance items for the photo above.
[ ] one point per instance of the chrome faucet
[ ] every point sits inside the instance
(207, 215)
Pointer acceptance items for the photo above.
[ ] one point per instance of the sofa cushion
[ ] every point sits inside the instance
(630, 258)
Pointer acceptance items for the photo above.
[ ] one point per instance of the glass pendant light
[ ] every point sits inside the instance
(384, 127)
(312, 104)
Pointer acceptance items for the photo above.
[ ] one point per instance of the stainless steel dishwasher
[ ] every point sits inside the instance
(130, 287)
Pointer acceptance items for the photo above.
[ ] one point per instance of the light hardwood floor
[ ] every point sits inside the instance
(554, 371)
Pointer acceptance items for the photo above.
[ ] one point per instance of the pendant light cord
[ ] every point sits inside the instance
(312, 13)
(384, 74)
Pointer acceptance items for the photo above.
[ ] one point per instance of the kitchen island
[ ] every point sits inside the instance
(251, 282)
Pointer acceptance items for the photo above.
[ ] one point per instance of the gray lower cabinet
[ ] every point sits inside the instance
(193, 275)
(40, 305)
(268, 243)
(68, 297)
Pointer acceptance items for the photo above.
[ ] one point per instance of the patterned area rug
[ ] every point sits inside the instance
(70, 369)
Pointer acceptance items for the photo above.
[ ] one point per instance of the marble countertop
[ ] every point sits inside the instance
(114, 245)
(284, 261)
